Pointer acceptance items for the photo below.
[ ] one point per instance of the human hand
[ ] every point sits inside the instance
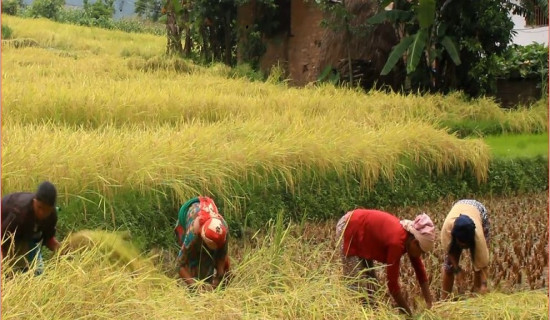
(479, 290)
(216, 281)
(429, 304)
(205, 287)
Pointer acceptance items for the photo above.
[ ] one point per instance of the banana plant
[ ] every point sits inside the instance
(430, 39)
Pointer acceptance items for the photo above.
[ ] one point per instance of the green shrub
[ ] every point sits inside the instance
(100, 16)
(525, 62)
(252, 46)
(47, 8)
(6, 32)
(11, 7)
(245, 70)
(100, 9)
(150, 217)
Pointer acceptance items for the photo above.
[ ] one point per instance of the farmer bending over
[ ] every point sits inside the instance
(29, 219)
(466, 227)
(202, 236)
(371, 235)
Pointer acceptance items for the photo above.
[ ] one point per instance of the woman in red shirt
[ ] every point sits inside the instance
(372, 235)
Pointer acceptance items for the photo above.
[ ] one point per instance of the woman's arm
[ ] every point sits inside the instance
(392, 274)
(220, 272)
(480, 281)
(183, 263)
(422, 278)
(401, 302)
(185, 274)
(425, 286)
(448, 276)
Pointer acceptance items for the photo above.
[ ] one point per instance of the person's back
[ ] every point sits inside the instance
(466, 226)
(381, 230)
(373, 235)
(202, 235)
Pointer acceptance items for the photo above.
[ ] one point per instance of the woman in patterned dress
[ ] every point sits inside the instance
(201, 233)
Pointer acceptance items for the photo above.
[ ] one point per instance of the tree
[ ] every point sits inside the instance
(208, 24)
(100, 9)
(173, 9)
(150, 9)
(438, 35)
(12, 7)
(47, 8)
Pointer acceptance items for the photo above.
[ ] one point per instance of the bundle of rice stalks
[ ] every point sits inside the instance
(113, 247)
(279, 276)
(19, 43)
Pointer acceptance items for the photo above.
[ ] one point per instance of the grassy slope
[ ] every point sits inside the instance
(523, 145)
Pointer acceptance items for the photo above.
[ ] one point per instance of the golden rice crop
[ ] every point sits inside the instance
(97, 124)
(96, 41)
(93, 77)
(210, 157)
(100, 110)
(495, 306)
(85, 284)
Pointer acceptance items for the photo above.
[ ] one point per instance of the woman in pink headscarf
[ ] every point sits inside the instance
(372, 235)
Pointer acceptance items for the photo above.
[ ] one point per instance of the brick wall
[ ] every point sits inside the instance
(305, 50)
(304, 46)
(245, 19)
(297, 51)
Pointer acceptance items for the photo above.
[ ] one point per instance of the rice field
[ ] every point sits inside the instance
(102, 111)
(283, 273)
(101, 120)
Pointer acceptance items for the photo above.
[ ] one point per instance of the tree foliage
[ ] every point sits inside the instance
(11, 7)
(100, 9)
(207, 26)
(439, 35)
(150, 9)
(46, 8)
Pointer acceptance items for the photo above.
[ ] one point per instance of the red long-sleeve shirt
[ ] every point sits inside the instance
(377, 235)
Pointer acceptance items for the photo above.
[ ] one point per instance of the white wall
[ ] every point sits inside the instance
(527, 35)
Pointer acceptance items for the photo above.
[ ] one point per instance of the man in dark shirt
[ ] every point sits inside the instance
(28, 222)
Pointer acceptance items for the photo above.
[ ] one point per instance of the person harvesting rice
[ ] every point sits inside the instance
(371, 235)
(465, 227)
(29, 221)
(201, 232)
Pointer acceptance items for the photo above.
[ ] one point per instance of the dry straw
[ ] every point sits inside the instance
(278, 275)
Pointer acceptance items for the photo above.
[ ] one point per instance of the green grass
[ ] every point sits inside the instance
(518, 146)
